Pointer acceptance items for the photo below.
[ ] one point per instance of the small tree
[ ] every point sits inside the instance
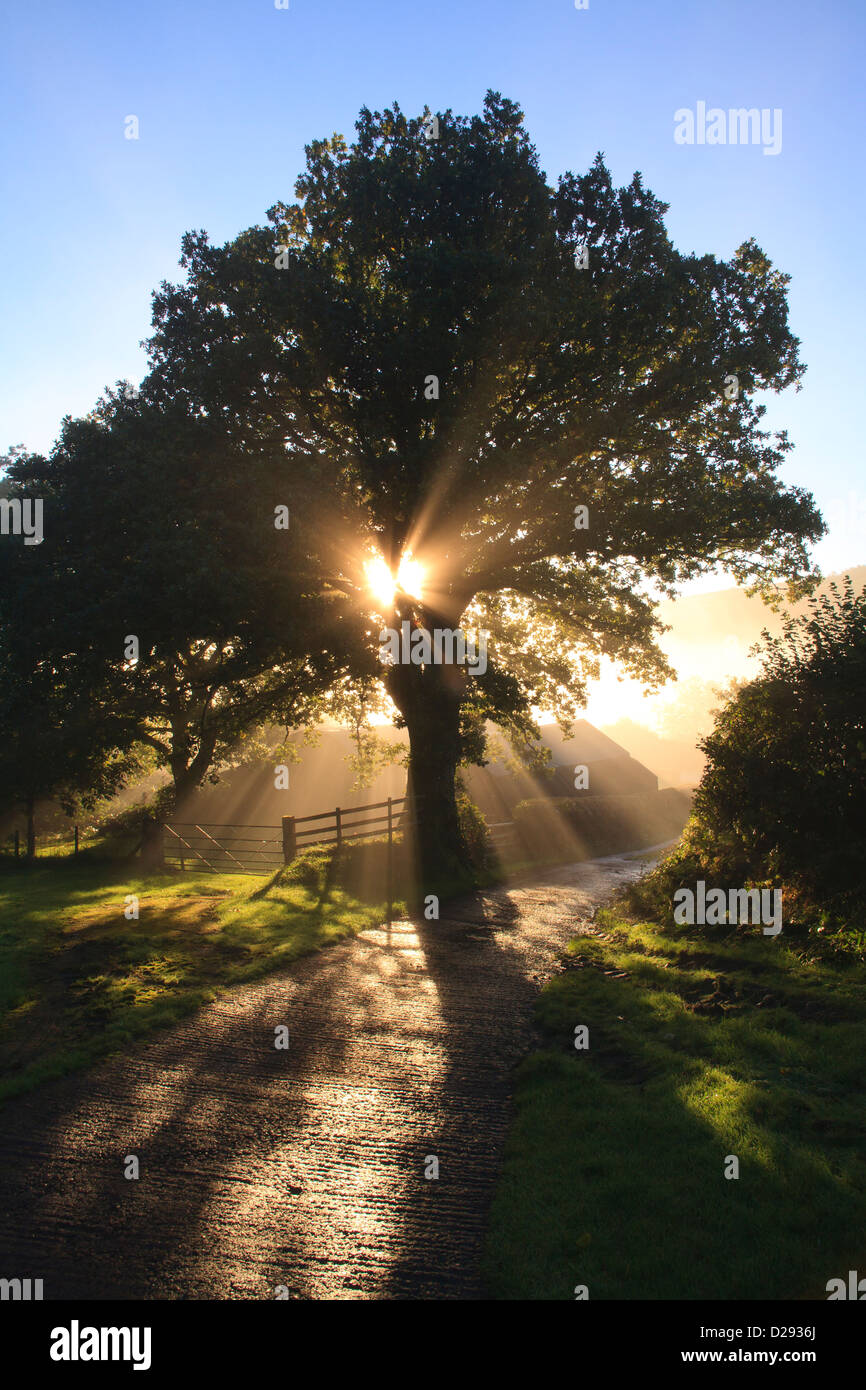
(784, 792)
(172, 593)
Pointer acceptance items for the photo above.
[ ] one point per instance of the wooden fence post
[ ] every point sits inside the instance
(339, 827)
(290, 840)
(390, 860)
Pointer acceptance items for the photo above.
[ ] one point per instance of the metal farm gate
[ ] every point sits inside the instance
(224, 849)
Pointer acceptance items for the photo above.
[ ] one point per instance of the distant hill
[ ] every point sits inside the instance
(702, 618)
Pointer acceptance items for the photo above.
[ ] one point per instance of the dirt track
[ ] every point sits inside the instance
(302, 1168)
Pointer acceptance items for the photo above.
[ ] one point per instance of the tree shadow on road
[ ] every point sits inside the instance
(306, 1167)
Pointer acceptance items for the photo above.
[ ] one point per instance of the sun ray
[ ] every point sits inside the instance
(383, 584)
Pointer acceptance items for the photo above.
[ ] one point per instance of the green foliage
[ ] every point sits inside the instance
(405, 258)
(58, 743)
(783, 797)
(408, 256)
(160, 525)
(474, 829)
(118, 834)
(291, 368)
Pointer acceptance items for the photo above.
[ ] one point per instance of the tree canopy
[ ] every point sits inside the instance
(170, 595)
(458, 355)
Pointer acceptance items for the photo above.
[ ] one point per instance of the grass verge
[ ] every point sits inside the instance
(79, 980)
(700, 1046)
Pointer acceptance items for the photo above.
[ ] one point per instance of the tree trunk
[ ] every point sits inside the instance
(188, 773)
(429, 701)
(152, 845)
(30, 807)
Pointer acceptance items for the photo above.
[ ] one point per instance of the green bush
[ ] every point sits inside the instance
(782, 802)
(475, 832)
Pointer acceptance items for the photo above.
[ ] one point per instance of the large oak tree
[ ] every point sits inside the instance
(579, 360)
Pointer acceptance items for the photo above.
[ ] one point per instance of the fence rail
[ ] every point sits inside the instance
(206, 846)
(56, 845)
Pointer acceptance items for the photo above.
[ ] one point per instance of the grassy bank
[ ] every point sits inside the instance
(699, 1047)
(78, 980)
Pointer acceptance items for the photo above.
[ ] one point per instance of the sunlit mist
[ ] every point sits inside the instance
(383, 584)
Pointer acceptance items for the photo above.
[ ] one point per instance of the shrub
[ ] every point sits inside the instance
(782, 802)
(475, 832)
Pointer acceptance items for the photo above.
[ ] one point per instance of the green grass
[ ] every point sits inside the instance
(78, 980)
(700, 1047)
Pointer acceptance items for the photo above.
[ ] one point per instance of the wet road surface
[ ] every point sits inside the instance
(301, 1168)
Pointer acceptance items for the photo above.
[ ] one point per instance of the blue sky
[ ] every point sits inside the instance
(227, 92)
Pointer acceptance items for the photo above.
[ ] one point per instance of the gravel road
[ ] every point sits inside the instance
(302, 1168)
